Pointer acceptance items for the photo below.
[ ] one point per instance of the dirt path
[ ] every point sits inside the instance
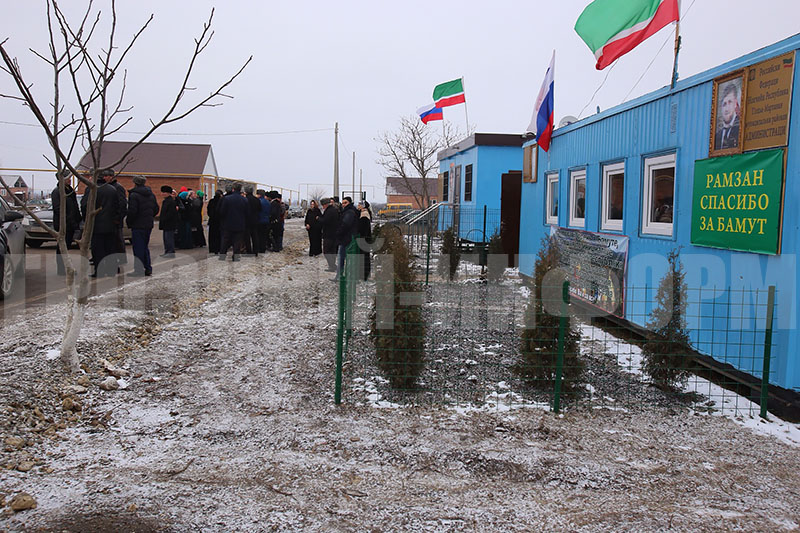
(228, 424)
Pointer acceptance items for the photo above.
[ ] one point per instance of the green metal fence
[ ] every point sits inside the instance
(483, 347)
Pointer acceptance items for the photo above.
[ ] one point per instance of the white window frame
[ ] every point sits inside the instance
(605, 222)
(550, 177)
(651, 164)
(574, 177)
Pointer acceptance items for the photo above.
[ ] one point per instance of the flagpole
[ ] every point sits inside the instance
(466, 115)
(677, 50)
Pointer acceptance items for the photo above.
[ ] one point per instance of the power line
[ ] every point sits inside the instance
(223, 134)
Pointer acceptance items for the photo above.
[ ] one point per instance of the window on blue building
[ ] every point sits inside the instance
(468, 183)
(551, 207)
(445, 176)
(658, 195)
(613, 196)
(577, 198)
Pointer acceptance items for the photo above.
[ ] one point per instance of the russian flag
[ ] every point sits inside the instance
(430, 112)
(542, 120)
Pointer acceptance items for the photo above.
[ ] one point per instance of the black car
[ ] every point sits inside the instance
(12, 248)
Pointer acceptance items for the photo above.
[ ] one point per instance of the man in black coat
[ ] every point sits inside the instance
(142, 210)
(168, 222)
(72, 217)
(123, 208)
(233, 220)
(214, 232)
(348, 228)
(275, 213)
(104, 236)
(330, 223)
(251, 241)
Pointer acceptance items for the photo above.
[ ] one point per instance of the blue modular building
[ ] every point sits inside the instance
(709, 168)
(477, 174)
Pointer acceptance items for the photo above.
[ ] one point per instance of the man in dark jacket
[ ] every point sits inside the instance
(214, 231)
(72, 217)
(263, 222)
(119, 252)
(275, 221)
(104, 235)
(330, 223)
(233, 220)
(142, 210)
(348, 228)
(168, 222)
(251, 242)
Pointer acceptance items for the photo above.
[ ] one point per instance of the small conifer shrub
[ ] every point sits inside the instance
(451, 255)
(496, 259)
(539, 349)
(665, 352)
(397, 324)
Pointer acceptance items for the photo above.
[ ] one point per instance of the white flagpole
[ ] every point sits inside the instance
(466, 115)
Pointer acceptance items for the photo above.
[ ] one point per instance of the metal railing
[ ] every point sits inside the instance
(487, 345)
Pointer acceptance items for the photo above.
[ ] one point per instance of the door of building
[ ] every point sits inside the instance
(510, 198)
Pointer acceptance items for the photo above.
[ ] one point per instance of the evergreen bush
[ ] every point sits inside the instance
(451, 255)
(397, 323)
(496, 259)
(665, 352)
(539, 349)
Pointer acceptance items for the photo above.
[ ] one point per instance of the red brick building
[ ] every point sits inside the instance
(18, 188)
(176, 165)
(412, 191)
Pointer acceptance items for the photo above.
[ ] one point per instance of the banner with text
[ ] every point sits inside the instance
(736, 202)
(595, 264)
(769, 96)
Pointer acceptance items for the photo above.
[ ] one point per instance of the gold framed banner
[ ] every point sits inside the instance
(727, 101)
(530, 163)
(767, 108)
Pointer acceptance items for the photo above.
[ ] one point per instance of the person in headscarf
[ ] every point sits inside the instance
(314, 229)
(185, 223)
(198, 235)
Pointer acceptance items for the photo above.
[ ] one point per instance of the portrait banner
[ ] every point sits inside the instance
(736, 202)
(595, 264)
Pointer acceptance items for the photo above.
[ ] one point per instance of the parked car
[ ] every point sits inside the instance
(12, 248)
(295, 211)
(36, 235)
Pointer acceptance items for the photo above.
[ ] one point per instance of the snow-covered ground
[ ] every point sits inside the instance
(227, 423)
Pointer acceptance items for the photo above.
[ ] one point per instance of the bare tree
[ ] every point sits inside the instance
(316, 193)
(95, 86)
(410, 152)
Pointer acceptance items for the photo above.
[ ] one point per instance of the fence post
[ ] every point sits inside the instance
(767, 351)
(337, 393)
(428, 259)
(562, 326)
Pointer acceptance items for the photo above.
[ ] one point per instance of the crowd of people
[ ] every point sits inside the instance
(331, 228)
(238, 220)
(247, 223)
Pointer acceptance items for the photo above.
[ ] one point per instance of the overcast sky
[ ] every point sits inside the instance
(366, 64)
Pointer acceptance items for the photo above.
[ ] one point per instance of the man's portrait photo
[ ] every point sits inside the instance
(727, 115)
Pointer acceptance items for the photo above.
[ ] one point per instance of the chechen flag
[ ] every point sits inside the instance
(430, 112)
(612, 28)
(449, 93)
(542, 120)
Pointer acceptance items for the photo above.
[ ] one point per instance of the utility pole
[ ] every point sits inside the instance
(354, 174)
(336, 160)
(361, 183)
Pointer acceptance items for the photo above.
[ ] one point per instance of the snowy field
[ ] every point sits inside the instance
(226, 422)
